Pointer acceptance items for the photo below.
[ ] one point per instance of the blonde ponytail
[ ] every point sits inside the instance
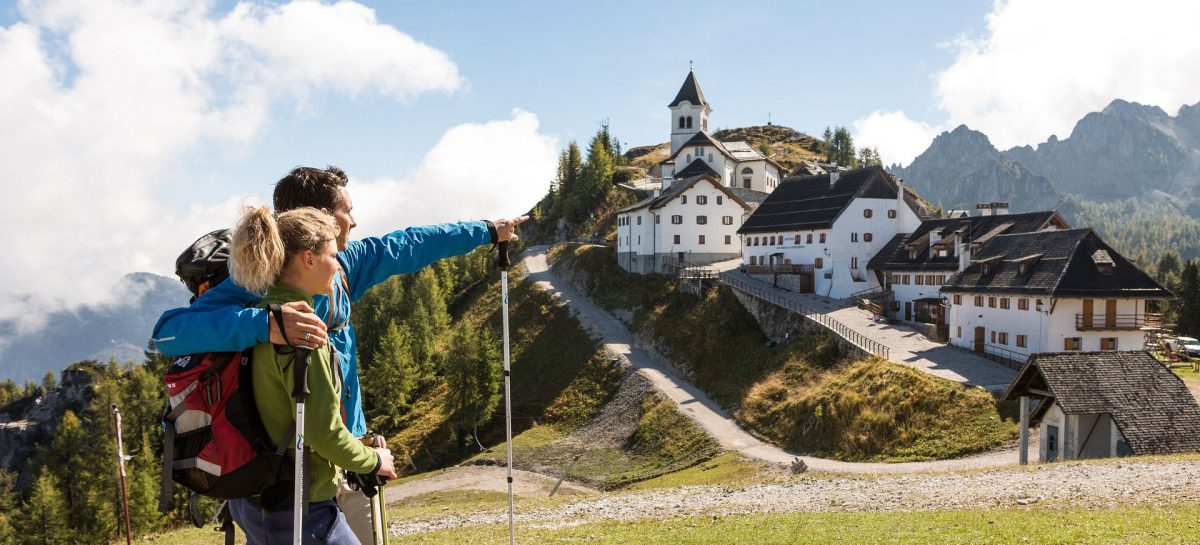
(263, 243)
(257, 254)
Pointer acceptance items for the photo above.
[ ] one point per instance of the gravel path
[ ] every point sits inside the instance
(486, 478)
(1067, 484)
(696, 404)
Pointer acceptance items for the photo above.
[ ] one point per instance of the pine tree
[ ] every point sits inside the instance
(391, 380)
(7, 506)
(1188, 300)
(843, 148)
(827, 145)
(49, 382)
(473, 373)
(42, 519)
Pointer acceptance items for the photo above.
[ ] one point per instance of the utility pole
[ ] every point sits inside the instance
(121, 467)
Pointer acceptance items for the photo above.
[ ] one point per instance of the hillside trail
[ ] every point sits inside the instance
(693, 402)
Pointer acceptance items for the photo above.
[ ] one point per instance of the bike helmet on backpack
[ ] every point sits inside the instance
(205, 263)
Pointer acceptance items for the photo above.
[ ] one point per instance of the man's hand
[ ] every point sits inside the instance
(386, 469)
(506, 230)
(303, 326)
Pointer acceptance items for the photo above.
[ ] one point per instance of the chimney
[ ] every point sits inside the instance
(964, 255)
(833, 173)
(992, 208)
(899, 196)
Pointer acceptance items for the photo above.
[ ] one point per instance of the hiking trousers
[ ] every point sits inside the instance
(323, 524)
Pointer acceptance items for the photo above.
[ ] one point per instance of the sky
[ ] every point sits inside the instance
(130, 128)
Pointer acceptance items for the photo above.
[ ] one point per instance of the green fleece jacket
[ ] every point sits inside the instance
(325, 433)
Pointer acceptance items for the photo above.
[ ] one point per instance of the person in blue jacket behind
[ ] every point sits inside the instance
(221, 318)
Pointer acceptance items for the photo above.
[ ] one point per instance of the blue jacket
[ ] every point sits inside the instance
(219, 320)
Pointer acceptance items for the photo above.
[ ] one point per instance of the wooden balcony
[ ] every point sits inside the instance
(1116, 322)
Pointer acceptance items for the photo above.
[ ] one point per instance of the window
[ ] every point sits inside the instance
(753, 260)
(993, 337)
(929, 280)
(920, 280)
(958, 299)
(991, 301)
(1108, 343)
(681, 122)
(701, 199)
(854, 262)
(853, 237)
(639, 220)
(891, 214)
(639, 240)
(979, 300)
(867, 213)
(895, 305)
(867, 237)
(1022, 304)
(905, 280)
(726, 220)
(701, 239)
(1004, 302)
(772, 240)
(958, 331)
(720, 200)
(819, 263)
(808, 239)
(677, 220)
(689, 121)
(683, 199)
(1073, 343)
(747, 171)
(941, 279)
(657, 220)
(822, 238)
(727, 240)
(1022, 341)
(701, 220)
(1003, 337)
(676, 239)
(710, 156)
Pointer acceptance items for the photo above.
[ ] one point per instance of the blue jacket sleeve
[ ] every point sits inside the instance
(372, 260)
(217, 322)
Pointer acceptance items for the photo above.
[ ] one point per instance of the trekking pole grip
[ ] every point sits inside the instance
(504, 263)
(300, 373)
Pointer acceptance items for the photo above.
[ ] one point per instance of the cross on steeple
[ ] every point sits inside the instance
(689, 66)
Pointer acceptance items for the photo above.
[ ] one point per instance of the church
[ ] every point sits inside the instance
(695, 151)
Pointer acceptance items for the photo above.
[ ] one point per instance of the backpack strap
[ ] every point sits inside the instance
(169, 418)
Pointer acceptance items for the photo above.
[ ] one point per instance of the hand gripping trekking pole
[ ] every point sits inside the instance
(504, 264)
(300, 393)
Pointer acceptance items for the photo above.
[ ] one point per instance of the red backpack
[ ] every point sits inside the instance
(214, 442)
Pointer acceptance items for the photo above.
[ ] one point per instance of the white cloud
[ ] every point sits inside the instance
(898, 138)
(102, 99)
(476, 171)
(1040, 66)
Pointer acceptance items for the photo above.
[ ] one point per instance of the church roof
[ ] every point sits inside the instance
(696, 168)
(1150, 405)
(689, 92)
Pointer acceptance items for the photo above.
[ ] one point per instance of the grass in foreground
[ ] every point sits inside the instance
(1140, 525)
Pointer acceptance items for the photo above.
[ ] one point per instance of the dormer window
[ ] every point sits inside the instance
(1104, 262)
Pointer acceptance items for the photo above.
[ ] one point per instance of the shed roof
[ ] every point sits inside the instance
(1150, 405)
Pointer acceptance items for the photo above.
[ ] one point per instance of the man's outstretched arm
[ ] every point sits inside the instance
(220, 322)
(372, 260)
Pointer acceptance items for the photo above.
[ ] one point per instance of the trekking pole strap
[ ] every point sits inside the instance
(503, 262)
(300, 375)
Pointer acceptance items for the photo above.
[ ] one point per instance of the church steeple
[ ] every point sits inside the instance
(689, 112)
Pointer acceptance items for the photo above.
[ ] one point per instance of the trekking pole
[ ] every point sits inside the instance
(504, 264)
(300, 392)
(121, 470)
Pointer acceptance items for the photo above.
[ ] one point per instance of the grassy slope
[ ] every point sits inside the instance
(803, 396)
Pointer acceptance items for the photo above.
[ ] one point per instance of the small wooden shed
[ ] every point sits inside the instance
(1104, 404)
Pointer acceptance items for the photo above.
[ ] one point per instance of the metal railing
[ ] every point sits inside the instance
(1090, 322)
(1003, 356)
(778, 269)
(770, 295)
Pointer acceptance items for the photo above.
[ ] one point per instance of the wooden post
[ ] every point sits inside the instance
(1024, 401)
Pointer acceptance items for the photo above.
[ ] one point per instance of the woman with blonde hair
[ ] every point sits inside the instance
(286, 258)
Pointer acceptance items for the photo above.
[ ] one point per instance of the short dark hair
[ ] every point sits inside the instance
(308, 186)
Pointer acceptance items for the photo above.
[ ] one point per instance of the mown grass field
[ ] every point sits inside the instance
(804, 396)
